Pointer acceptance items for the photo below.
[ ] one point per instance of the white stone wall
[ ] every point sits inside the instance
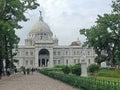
(60, 55)
(72, 55)
(41, 37)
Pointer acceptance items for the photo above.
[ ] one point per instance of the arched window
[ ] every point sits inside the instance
(58, 52)
(31, 62)
(58, 62)
(78, 60)
(74, 61)
(66, 53)
(88, 52)
(54, 62)
(67, 62)
(89, 61)
(54, 53)
(26, 62)
(31, 53)
(26, 53)
(74, 53)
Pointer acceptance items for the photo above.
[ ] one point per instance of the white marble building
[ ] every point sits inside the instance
(41, 49)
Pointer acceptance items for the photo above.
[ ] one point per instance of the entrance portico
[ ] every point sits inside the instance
(43, 58)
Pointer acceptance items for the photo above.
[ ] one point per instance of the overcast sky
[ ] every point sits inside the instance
(66, 17)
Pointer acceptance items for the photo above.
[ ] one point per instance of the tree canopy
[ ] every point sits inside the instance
(11, 13)
(104, 37)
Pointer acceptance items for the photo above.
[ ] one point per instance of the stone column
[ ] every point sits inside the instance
(36, 57)
(50, 63)
(45, 62)
(83, 69)
(40, 62)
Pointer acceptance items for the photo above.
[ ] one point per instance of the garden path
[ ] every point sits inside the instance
(32, 82)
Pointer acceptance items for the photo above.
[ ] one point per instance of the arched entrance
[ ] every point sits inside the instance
(43, 58)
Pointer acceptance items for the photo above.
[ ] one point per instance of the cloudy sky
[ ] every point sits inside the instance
(66, 17)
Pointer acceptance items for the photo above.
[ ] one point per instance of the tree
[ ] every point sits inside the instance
(116, 6)
(116, 10)
(11, 13)
(100, 59)
(96, 38)
(105, 35)
(112, 24)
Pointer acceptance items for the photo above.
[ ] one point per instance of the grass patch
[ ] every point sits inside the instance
(108, 78)
(108, 73)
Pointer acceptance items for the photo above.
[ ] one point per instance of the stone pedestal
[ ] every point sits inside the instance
(83, 69)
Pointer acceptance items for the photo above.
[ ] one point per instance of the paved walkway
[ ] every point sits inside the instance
(33, 82)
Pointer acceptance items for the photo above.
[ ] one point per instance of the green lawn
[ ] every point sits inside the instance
(108, 78)
(108, 75)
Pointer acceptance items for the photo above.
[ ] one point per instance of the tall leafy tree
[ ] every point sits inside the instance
(112, 24)
(96, 39)
(116, 6)
(105, 35)
(11, 13)
(116, 10)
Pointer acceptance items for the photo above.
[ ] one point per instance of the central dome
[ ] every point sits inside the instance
(41, 28)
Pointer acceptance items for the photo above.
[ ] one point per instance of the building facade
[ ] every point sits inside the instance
(41, 49)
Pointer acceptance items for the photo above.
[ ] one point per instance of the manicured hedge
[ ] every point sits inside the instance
(93, 68)
(76, 69)
(66, 70)
(85, 83)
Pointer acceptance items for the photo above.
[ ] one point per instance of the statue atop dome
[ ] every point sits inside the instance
(41, 18)
(40, 27)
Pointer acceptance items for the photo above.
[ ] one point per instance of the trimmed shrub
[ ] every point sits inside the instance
(76, 69)
(93, 68)
(84, 83)
(59, 66)
(53, 69)
(66, 70)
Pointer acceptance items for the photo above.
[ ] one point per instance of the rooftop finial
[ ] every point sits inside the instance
(41, 18)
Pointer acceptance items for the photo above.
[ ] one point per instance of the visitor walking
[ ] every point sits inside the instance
(15, 70)
(8, 71)
(1, 73)
(32, 70)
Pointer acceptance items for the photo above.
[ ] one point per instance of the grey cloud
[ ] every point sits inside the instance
(67, 18)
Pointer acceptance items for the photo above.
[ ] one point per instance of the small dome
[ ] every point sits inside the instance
(41, 28)
(74, 44)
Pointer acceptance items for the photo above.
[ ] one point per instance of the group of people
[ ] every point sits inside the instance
(28, 71)
(8, 72)
(15, 71)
